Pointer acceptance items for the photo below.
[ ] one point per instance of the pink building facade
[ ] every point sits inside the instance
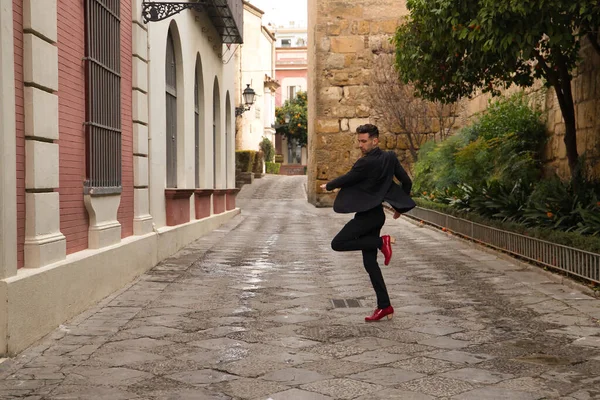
(291, 71)
(86, 204)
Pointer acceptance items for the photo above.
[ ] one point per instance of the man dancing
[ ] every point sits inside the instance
(363, 190)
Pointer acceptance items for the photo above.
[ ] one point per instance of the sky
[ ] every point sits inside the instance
(281, 12)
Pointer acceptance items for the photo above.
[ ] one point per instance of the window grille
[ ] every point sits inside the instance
(103, 96)
(171, 100)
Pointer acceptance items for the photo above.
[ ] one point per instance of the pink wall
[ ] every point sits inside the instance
(71, 98)
(280, 75)
(71, 74)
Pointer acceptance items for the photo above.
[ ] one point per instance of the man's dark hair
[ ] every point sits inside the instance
(370, 129)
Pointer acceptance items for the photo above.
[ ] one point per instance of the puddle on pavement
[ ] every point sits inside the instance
(544, 359)
(247, 295)
(241, 310)
(233, 354)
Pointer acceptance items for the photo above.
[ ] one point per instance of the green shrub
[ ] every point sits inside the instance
(244, 160)
(272, 168)
(259, 162)
(513, 116)
(435, 169)
(567, 206)
(474, 162)
(571, 239)
(266, 146)
(492, 169)
(503, 145)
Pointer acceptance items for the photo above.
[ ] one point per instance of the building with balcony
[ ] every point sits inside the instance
(117, 147)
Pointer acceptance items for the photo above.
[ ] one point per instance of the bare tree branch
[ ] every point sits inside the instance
(401, 112)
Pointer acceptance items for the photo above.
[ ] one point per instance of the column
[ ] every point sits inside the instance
(44, 243)
(8, 155)
(142, 220)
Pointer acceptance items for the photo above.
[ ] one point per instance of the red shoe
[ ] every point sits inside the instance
(380, 313)
(386, 248)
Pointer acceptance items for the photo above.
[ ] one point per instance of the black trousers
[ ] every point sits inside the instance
(363, 233)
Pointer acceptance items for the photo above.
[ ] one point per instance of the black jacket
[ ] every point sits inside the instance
(370, 182)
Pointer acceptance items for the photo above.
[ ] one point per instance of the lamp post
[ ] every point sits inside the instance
(248, 95)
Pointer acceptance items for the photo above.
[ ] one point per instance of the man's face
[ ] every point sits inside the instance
(366, 144)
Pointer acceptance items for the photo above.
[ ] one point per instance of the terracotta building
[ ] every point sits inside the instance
(116, 148)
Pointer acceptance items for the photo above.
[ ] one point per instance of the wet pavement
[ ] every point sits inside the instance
(263, 309)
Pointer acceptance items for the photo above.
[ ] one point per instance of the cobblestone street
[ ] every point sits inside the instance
(248, 312)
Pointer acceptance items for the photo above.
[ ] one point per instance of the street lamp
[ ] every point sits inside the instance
(249, 94)
(287, 118)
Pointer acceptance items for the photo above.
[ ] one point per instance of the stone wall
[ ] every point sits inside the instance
(586, 92)
(342, 39)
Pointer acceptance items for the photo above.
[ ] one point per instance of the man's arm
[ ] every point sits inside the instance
(355, 175)
(403, 177)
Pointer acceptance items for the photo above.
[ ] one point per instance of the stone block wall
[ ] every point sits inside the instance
(343, 37)
(586, 92)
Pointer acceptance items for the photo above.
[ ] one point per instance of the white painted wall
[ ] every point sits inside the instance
(8, 149)
(257, 59)
(193, 34)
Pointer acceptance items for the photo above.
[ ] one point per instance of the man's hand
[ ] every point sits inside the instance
(324, 187)
(397, 215)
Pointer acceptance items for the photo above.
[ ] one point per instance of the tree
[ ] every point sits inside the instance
(401, 112)
(296, 110)
(450, 48)
(266, 146)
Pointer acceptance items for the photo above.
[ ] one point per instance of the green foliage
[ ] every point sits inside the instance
(493, 200)
(502, 146)
(571, 239)
(272, 167)
(568, 206)
(492, 169)
(266, 146)
(435, 169)
(297, 127)
(244, 160)
(259, 162)
(450, 48)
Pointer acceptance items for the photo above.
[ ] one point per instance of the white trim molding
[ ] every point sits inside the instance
(8, 157)
(44, 243)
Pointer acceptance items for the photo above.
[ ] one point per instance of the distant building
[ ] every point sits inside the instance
(255, 67)
(292, 73)
(291, 62)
